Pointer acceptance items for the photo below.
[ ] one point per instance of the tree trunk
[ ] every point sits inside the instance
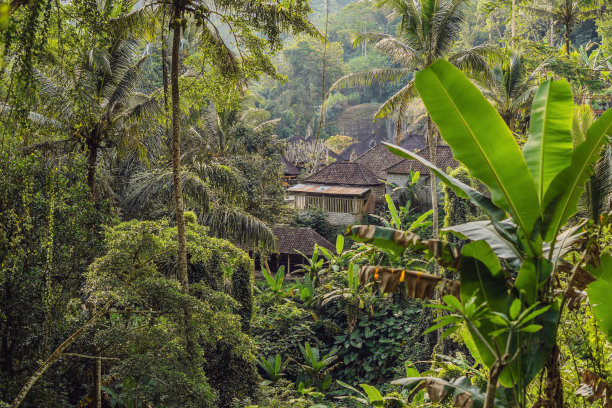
(551, 34)
(92, 160)
(98, 384)
(553, 393)
(568, 33)
(431, 143)
(496, 370)
(513, 22)
(176, 153)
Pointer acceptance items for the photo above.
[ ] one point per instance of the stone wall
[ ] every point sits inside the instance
(343, 218)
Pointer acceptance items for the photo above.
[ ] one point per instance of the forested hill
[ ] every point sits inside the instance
(296, 102)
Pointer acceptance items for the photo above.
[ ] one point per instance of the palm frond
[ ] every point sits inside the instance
(127, 85)
(235, 224)
(400, 98)
(600, 185)
(380, 75)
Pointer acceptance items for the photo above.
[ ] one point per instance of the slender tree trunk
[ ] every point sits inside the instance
(513, 22)
(98, 385)
(92, 160)
(431, 143)
(551, 33)
(176, 153)
(496, 370)
(568, 32)
(323, 66)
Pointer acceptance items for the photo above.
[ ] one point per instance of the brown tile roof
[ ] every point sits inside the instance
(288, 168)
(413, 141)
(359, 148)
(345, 173)
(378, 159)
(289, 240)
(444, 159)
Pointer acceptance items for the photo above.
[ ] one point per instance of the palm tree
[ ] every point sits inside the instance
(245, 21)
(426, 34)
(598, 195)
(510, 88)
(568, 13)
(98, 105)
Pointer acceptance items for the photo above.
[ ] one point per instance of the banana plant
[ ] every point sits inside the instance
(276, 284)
(371, 397)
(317, 368)
(313, 266)
(533, 194)
(273, 367)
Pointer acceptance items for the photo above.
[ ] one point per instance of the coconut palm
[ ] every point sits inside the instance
(211, 190)
(426, 34)
(567, 13)
(598, 195)
(510, 88)
(98, 105)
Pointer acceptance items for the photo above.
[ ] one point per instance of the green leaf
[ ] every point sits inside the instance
(449, 331)
(453, 302)
(599, 293)
(503, 245)
(550, 141)
(269, 278)
(393, 210)
(339, 244)
(532, 328)
(515, 309)
(458, 187)
(373, 394)
(561, 198)
(411, 370)
(480, 139)
(419, 221)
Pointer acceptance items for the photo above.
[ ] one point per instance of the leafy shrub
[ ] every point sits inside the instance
(374, 352)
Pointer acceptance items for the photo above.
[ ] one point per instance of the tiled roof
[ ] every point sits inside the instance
(378, 159)
(288, 168)
(444, 159)
(413, 141)
(292, 239)
(345, 173)
(359, 148)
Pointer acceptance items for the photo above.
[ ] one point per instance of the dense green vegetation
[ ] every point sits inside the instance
(141, 179)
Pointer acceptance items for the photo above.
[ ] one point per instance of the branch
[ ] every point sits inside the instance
(55, 355)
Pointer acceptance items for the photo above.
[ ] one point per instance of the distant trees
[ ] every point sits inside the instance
(426, 33)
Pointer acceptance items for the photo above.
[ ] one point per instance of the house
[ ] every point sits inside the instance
(346, 191)
(357, 149)
(290, 172)
(292, 244)
(377, 159)
(399, 173)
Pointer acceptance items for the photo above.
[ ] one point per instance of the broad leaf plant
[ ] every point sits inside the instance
(515, 260)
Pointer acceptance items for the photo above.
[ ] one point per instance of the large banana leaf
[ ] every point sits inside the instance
(550, 142)
(561, 198)
(480, 139)
(502, 244)
(482, 276)
(458, 187)
(599, 294)
(397, 241)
